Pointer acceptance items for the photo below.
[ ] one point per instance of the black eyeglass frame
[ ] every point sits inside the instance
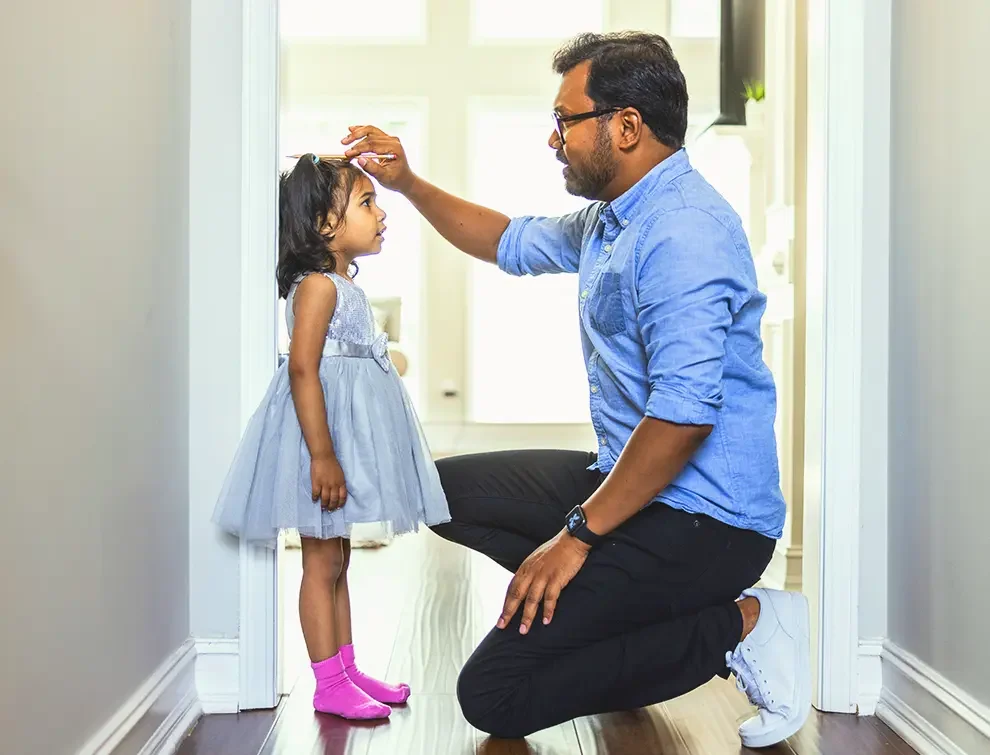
(561, 120)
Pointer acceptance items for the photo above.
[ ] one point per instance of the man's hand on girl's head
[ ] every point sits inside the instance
(392, 172)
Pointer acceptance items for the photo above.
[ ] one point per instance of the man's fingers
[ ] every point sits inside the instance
(362, 146)
(518, 588)
(359, 132)
(370, 166)
(532, 605)
(361, 152)
(550, 601)
(356, 132)
(373, 146)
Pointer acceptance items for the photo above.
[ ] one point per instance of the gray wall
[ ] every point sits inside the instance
(94, 296)
(939, 513)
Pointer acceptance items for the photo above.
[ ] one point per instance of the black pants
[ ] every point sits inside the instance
(650, 616)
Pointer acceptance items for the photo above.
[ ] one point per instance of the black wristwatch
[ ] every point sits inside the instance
(577, 525)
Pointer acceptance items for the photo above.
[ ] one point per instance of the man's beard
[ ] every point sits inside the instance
(590, 180)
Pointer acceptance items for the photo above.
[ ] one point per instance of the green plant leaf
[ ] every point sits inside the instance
(754, 90)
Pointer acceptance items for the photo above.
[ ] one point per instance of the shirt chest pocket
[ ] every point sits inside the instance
(607, 312)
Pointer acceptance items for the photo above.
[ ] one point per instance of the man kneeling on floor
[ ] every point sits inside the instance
(633, 565)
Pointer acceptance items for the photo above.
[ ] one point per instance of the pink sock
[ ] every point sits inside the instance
(337, 694)
(394, 694)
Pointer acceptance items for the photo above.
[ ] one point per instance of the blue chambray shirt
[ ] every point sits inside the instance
(670, 326)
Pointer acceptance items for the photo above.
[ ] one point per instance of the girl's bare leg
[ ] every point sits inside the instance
(335, 692)
(322, 563)
(393, 694)
(342, 597)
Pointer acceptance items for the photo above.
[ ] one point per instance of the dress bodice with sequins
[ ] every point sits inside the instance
(352, 321)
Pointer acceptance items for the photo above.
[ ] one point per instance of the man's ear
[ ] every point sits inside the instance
(631, 129)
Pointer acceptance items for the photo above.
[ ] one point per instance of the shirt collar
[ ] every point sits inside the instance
(625, 207)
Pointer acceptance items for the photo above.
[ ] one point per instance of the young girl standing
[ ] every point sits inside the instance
(335, 441)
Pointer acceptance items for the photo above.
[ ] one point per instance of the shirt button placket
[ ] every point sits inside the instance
(595, 418)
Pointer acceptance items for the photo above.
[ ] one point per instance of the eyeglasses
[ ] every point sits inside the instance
(560, 120)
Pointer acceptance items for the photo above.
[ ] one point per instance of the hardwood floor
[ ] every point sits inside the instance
(420, 606)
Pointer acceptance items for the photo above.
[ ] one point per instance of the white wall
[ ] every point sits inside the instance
(94, 404)
(939, 512)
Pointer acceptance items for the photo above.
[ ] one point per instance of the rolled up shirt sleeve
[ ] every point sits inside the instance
(689, 287)
(535, 245)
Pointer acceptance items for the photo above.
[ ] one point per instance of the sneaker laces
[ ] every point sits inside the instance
(747, 678)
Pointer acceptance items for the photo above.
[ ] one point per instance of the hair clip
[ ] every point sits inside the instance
(316, 159)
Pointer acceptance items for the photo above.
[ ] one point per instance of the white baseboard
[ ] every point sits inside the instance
(169, 736)
(218, 670)
(870, 676)
(156, 718)
(475, 437)
(928, 711)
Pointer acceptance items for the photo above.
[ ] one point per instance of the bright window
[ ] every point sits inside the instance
(393, 21)
(726, 163)
(696, 18)
(529, 20)
(525, 363)
(397, 272)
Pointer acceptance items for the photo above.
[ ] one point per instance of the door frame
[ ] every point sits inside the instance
(259, 594)
(845, 464)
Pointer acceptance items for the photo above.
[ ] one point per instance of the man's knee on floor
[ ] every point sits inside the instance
(489, 704)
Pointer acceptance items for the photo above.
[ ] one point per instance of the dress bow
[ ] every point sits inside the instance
(379, 350)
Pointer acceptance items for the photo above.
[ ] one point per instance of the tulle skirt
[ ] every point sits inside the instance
(388, 470)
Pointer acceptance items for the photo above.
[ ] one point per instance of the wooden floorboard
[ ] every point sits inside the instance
(893, 738)
(420, 607)
(221, 734)
(640, 732)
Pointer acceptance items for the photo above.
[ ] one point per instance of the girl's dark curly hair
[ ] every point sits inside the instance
(313, 191)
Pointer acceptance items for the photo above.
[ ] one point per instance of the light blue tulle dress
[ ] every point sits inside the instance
(388, 470)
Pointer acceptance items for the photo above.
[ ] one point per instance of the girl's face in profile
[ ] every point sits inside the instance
(362, 229)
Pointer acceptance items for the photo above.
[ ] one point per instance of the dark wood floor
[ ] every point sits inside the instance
(420, 607)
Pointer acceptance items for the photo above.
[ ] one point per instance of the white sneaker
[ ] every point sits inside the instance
(773, 667)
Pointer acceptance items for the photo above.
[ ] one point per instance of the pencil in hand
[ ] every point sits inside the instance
(345, 158)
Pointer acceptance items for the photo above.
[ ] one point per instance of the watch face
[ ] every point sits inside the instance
(574, 520)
